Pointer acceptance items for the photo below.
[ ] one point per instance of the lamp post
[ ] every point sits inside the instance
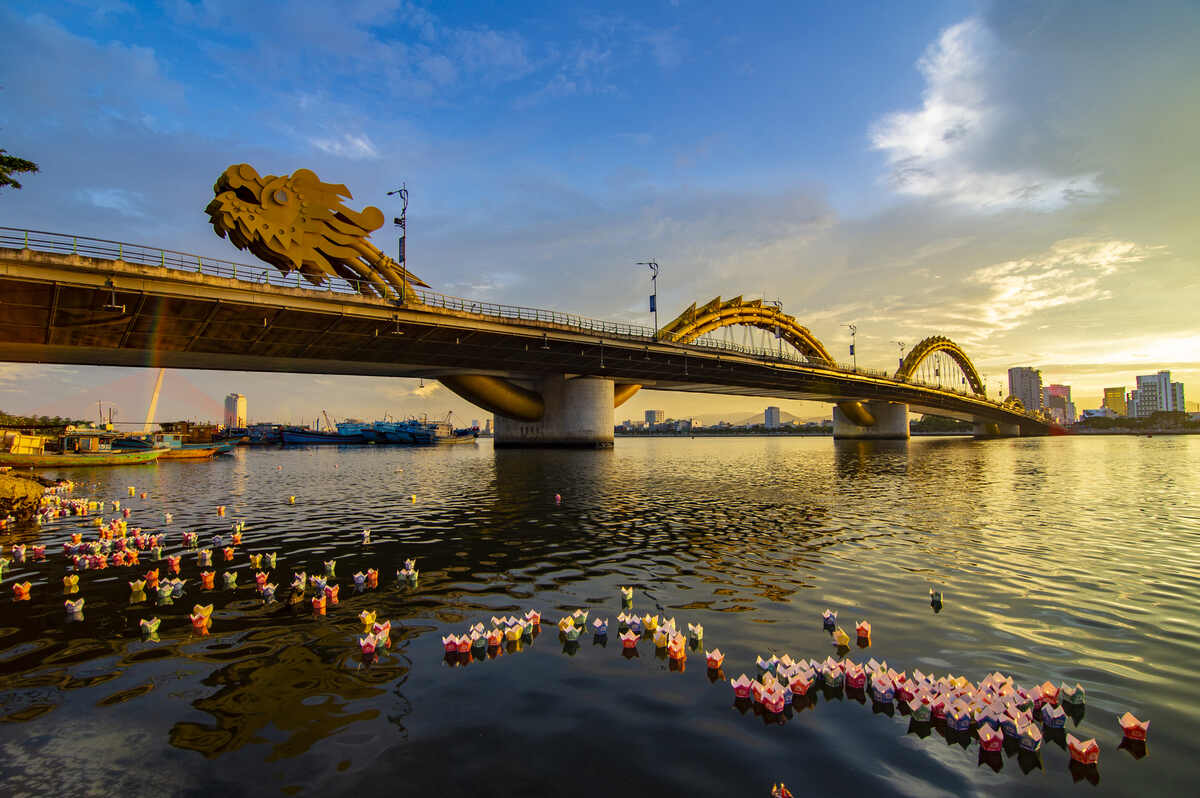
(653, 266)
(900, 344)
(779, 310)
(401, 222)
(853, 354)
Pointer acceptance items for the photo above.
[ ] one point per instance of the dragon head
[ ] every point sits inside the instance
(297, 223)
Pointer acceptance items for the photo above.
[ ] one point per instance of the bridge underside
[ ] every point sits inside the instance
(73, 310)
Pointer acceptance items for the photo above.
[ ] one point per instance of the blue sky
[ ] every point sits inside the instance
(1018, 176)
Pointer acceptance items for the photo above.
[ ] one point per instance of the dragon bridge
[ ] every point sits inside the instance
(297, 223)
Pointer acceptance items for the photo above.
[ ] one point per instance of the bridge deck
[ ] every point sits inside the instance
(69, 308)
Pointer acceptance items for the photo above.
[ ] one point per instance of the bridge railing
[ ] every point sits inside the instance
(434, 299)
(20, 238)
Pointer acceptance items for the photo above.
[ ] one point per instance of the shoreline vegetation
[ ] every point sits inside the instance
(828, 432)
(1161, 423)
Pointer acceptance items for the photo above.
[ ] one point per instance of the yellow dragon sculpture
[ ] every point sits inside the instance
(297, 223)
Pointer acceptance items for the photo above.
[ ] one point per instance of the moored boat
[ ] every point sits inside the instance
(194, 452)
(76, 448)
(431, 433)
(392, 432)
(308, 437)
(173, 442)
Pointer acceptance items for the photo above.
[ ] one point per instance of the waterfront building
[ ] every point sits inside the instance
(771, 418)
(655, 417)
(235, 411)
(1101, 412)
(1156, 392)
(1025, 383)
(1057, 399)
(1114, 400)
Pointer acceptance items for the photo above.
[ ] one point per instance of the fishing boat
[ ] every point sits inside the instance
(430, 433)
(396, 432)
(177, 448)
(305, 436)
(73, 448)
(264, 435)
(353, 426)
(452, 435)
(348, 432)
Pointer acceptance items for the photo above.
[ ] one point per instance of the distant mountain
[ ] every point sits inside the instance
(739, 419)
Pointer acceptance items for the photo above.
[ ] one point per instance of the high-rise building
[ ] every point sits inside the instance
(1026, 384)
(1114, 400)
(656, 416)
(235, 410)
(771, 418)
(1156, 392)
(1057, 399)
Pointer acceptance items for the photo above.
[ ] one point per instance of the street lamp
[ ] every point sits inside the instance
(779, 308)
(853, 332)
(401, 222)
(653, 291)
(900, 344)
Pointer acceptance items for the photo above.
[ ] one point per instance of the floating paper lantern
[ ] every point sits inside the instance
(829, 619)
(741, 686)
(1085, 752)
(1133, 728)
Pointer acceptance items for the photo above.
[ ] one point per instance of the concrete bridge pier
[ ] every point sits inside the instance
(992, 429)
(578, 415)
(891, 422)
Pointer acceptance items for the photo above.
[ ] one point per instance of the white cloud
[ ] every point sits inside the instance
(1071, 272)
(126, 203)
(667, 47)
(556, 88)
(490, 51)
(945, 150)
(347, 145)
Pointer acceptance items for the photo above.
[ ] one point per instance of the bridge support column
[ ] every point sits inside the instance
(992, 429)
(578, 415)
(891, 422)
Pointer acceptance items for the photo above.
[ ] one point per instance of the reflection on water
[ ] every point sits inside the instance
(1063, 559)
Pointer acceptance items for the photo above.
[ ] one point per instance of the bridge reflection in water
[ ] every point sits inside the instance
(551, 378)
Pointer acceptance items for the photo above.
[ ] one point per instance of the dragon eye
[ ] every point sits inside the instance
(280, 196)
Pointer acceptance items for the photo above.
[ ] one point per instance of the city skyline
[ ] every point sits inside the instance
(538, 179)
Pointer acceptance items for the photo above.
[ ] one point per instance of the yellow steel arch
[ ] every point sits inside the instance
(695, 322)
(939, 343)
(1013, 403)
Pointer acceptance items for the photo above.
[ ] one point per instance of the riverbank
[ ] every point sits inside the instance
(20, 495)
(1134, 432)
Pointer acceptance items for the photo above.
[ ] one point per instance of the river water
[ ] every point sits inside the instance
(1068, 559)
